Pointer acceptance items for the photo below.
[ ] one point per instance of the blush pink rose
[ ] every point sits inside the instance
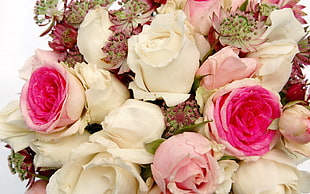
(184, 164)
(224, 67)
(294, 124)
(199, 13)
(39, 187)
(52, 98)
(241, 114)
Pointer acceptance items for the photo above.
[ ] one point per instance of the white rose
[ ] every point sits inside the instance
(277, 53)
(227, 170)
(53, 154)
(275, 173)
(130, 126)
(164, 58)
(92, 170)
(93, 34)
(104, 92)
(13, 129)
(171, 6)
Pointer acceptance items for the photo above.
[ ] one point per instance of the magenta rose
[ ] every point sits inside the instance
(184, 164)
(241, 115)
(52, 98)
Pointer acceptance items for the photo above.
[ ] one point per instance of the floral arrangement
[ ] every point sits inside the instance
(164, 96)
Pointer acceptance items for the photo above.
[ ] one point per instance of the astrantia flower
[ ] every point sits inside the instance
(116, 52)
(64, 37)
(297, 9)
(180, 116)
(47, 12)
(131, 16)
(239, 29)
(22, 163)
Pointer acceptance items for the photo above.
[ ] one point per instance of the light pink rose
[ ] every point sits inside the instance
(52, 98)
(39, 187)
(224, 67)
(294, 124)
(199, 13)
(241, 114)
(184, 164)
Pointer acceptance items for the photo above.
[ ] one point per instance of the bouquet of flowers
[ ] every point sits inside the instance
(164, 96)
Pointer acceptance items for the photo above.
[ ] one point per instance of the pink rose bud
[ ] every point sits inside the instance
(39, 187)
(184, 164)
(296, 92)
(294, 124)
(199, 13)
(224, 67)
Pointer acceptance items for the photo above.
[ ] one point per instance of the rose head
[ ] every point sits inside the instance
(224, 67)
(199, 13)
(294, 124)
(242, 113)
(51, 99)
(184, 164)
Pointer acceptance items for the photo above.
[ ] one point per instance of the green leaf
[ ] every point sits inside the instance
(151, 147)
(226, 157)
(197, 81)
(274, 125)
(190, 128)
(244, 5)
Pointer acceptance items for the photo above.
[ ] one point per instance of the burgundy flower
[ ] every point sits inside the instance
(296, 91)
(64, 37)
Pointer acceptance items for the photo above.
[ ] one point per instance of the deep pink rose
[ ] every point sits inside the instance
(241, 114)
(52, 98)
(39, 187)
(224, 67)
(199, 13)
(184, 164)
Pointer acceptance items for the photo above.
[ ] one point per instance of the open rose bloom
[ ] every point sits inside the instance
(164, 96)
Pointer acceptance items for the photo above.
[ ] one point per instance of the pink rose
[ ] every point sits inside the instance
(242, 113)
(224, 67)
(199, 13)
(184, 164)
(52, 98)
(294, 124)
(39, 187)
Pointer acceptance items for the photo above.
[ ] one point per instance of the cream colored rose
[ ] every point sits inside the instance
(53, 154)
(92, 170)
(171, 6)
(159, 57)
(104, 92)
(130, 126)
(13, 129)
(275, 172)
(276, 54)
(93, 34)
(227, 170)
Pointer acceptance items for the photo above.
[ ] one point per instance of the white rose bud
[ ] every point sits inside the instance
(104, 92)
(13, 129)
(93, 34)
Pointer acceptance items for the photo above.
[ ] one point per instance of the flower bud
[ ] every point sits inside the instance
(294, 124)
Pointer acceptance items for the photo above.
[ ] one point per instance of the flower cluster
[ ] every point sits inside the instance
(164, 96)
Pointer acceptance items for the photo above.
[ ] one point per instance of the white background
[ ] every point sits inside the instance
(19, 37)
